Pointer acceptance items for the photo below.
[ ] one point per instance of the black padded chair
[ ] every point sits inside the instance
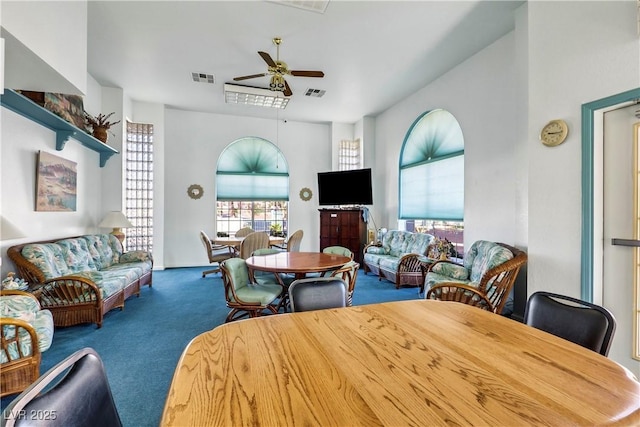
(581, 322)
(317, 294)
(81, 397)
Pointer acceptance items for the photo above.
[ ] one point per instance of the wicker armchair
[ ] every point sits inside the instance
(25, 332)
(490, 292)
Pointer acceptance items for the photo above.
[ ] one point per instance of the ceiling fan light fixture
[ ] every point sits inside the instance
(247, 95)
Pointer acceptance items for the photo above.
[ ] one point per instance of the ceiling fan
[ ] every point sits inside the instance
(278, 69)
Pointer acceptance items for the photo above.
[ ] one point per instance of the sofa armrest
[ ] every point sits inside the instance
(69, 290)
(136, 256)
(375, 248)
(450, 269)
(410, 263)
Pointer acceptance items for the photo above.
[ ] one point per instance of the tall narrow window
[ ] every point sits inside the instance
(349, 155)
(139, 186)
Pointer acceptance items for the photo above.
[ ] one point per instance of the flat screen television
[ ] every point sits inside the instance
(352, 187)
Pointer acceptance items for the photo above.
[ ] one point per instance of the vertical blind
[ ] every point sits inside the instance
(432, 169)
(252, 168)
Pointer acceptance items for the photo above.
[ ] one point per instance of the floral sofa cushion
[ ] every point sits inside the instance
(27, 309)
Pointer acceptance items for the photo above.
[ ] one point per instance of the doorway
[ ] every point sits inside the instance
(593, 201)
(620, 168)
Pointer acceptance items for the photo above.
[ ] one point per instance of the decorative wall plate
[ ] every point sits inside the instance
(305, 194)
(195, 191)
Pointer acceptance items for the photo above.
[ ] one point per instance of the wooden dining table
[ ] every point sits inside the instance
(418, 362)
(297, 263)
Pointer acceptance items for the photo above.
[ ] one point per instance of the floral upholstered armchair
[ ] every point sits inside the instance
(485, 279)
(25, 331)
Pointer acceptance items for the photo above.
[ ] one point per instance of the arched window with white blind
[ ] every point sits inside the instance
(431, 193)
(252, 187)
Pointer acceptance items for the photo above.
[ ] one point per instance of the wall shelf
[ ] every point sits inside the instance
(63, 129)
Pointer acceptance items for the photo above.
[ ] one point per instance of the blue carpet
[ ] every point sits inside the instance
(140, 346)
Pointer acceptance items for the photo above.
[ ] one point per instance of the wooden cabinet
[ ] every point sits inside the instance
(343, 227)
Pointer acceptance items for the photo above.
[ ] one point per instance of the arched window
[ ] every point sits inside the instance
(252, 187)
(432, 176)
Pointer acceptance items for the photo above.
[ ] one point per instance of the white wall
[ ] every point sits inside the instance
(480, 93)
(54, 57)
(21, 141)
(571, 61)
(194, 142)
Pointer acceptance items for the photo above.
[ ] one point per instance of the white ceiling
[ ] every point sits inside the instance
(373, 53)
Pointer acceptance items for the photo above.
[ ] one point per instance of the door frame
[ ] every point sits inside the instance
(589, 111)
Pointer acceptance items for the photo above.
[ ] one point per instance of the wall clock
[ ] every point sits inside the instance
(195, 191)
(305, 194)
(554, 133)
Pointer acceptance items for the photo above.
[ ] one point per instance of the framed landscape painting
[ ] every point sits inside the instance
(55, 183)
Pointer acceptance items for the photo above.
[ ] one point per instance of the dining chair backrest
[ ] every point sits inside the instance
(348, 273)
(253, 241)
(243, 232)
(338, 250)
(317, 294)
(581, 322)
(215, 253)
(74, 392)
(293, 244)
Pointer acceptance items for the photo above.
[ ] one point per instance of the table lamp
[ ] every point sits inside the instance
(116, 220)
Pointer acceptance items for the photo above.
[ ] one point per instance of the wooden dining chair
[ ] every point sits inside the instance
(215, 253)
(317, 294)
(252, 242)
(293, 243)
(243, 297)
(581, 322)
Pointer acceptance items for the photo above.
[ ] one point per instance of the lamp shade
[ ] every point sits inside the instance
(8, 231)
(115, 219)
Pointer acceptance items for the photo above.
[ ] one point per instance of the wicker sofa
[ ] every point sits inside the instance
(25, 332)
(397, 257)
(79, 279)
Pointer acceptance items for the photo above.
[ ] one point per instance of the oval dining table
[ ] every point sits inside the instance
(297, 263)
(418, 362)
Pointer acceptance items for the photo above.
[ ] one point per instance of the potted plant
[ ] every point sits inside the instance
(276, 229)
(99, 124)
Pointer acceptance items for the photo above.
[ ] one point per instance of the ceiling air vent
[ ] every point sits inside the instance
(315, 93)
(202, 78)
